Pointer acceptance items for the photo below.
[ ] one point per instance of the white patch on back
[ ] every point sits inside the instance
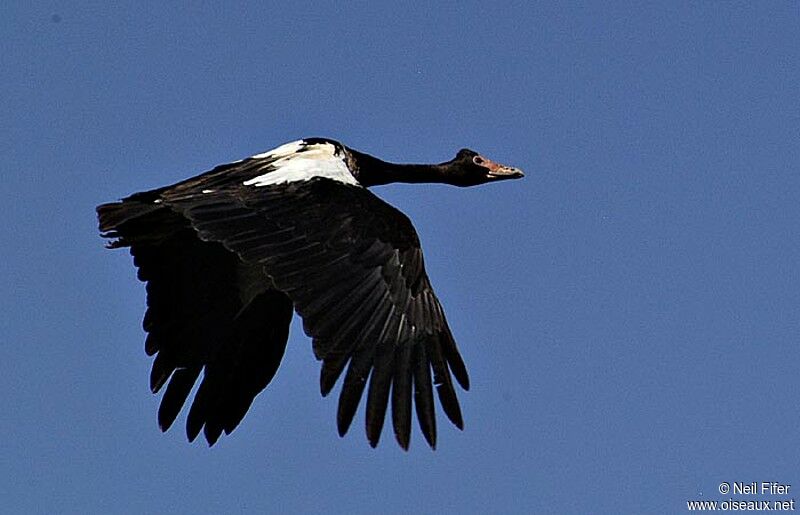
(286, 149)
(297, 161)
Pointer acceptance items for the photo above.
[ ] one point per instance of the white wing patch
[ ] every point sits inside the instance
(298, 161)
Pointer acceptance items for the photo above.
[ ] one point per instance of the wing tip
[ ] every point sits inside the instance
(403, 440)
(431, 439)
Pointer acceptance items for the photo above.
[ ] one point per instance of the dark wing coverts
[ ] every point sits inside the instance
(351, 265)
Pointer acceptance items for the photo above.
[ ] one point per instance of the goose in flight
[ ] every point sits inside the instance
(228, 256)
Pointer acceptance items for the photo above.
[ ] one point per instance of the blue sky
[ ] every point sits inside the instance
(629, 312)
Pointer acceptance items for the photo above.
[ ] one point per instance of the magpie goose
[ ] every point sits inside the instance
(230, 254)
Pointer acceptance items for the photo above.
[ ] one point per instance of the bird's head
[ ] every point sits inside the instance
(470, 168)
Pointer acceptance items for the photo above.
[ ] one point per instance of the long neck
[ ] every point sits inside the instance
(374, 172)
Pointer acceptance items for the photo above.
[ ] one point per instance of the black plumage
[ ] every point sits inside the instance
(228, 255)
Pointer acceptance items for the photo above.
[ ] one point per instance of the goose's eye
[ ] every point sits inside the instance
(478, 160)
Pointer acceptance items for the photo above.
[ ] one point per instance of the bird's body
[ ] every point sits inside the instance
(230, 254)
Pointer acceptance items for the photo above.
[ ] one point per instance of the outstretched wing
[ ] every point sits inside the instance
(203, 315)
(353, 267)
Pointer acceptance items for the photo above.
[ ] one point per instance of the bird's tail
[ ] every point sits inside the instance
(138, 219)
